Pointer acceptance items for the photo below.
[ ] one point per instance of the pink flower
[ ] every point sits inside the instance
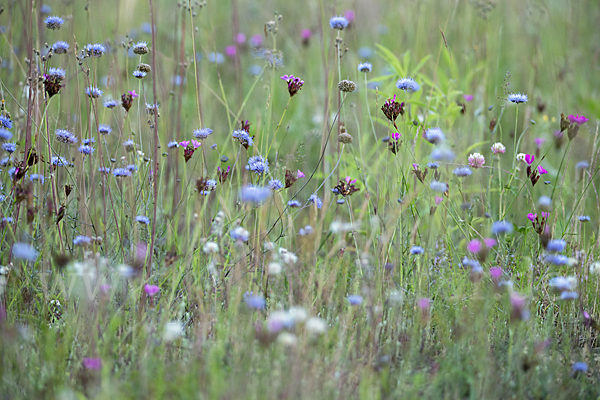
(438, 200)
(539, 141)
(468, 97)
(105, 288)
(577, 119)
(306, 34)
(476, 160)
(240, 38)
(423, 304)
(92, 363)
(541, 170)
(416, 166)
(517, 301)
(151, 290)
(545, 214)
(230, 51)
(349, 14)
(349, 180)
(256, 41)
(133, 94)
(531, 217)
(300, 174)
(396, 136)
(196, 144)
(489, 242)
(474, 246)
(529, 159)
(495, 273)
(184, 144)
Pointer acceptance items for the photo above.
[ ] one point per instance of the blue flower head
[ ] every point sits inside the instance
(355, 300)
(64, 136)
(121, 172)
(93, 92)
(82, 240)
(408, 84)
(143, 220)
(60, 47)
(462, 172)
(275, 184)
(433, 165)
(442, 154)
(104, 170)
(202, 133)
(57, 73)
(437, 186)
(314, 199)
(557, 259)
(59, 161)
(95, 50)
(172, 144)
(5, 134)
(584, 218)
(502, 227)
(85, 149)
(217, 57)
(255, 194)
(88, 141)
(254, 301)
(417, 250)
(111, 103)
(104, 129)
(54, 22)
(338, 22)
(37, 178)
(517, 98)
(258, 165)
(243, 137)
(556, 246)
(9, 147)
(5, 122)
(365, 67)
(294, 203)
(139, 74)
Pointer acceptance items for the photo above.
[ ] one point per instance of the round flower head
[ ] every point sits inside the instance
(129, 145)
(172, 144)
(521, 157)
(438, 186)
(314, 199)
(502, 227)
(517, 98)
(151, 290)
(9, 147)
(143, 220)
(139, 74)
(584, 218)
(60, 47)
(85, 150)
(93, 92)
(258, 165)
(476, 160)
(498, 148)
(37, 178)
(556, 246)
(442, 154)
(355, 300)
(82, 240)
(433, 165)
(257, 302)
(275, 184)
(111, 103)
(365, 67)
(417, 250)
(294, 203)
(53, 22)
(254, 194)
(462, 172)
(59, 161)
(95, 50)
(243, 137)
(56, 73)
(140, 48)
(347, 86)
(582, 165)
(240, 234)
(338, 22)
(121, 172)
(434, 135)
(5, 122)
(202, 133)
(64, 136)
(104, 129)
(408, 84)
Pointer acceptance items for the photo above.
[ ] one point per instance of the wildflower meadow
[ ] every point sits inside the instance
(366, 199)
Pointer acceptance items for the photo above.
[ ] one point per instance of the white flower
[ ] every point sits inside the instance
(298, 314)
(316, 326)
(172, 331)
(287, 257)
(274, 268)
(498, 148)
(521, 157)
(287, 339)
(210, 247)
(595, 268)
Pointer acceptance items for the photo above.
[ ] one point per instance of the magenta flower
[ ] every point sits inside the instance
(92, 363)
(577, 119)
(474, 246)
(539, 141)
(133, 93)
(294, 84)
(529, 159)
(350, 181)
(256, 41)
(423, 304)
(545, 214)
(438, 200)
(415, 166)
(230, 51)
(151, 290)
(541, 170)
(306, 34)
(468, 97)
(349, 14)
(396, 136)
(489, 242)
(496, 272)
(184, 144)
(196, 144)
(300, 174)
(105, 288)
(240, 38)
(531, 217)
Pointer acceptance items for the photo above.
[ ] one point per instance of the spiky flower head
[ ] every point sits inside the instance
(139, 74)
(129, 145)
(462, 172)
(244, 138)
(365, 67)
(144, 67)
(93, 92)
(338, 22)
(202, 133)
(60, 47)
(518, 98)
(64, 136)
(140, 48)
(408, 84)
(54, 22)
(434, 135)
(142, 219)
(347, 86)
(111, 103)
(476, 160)
(94, 50)
(5, 122)
(258, 165)
(104, 129)
(9, 147)
(275, 184)
(85, 150)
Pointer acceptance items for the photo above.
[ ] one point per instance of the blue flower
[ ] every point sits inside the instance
(582, 165)
(355, 300)
(254, 301)
(275, 184)
(140, 48)
(88, 142)
(569, 296)
(139, 74)
(244, 138)
(37, 177)
(294, 203)
(5, 134)
(172, 144)
(45, 9)
(442, 154)
(408, 84)
(437, 186)
(5, 122)
(433, 165)
(85, 149)
(64, 136)
(517, 98)
(121, 172)
(314, 199)
(132, 168)
(307, 230)
(365, 67)
(258, 165)
(579, 367)
(4, 161)
(54, 22)
(95, 50)
(584, 218)
(9, 147)
(502, 227)
(57, 73)
(216, 58)
(545, 201)
(143, 220)
(129, 145)
(255, 194)
(434, 135)
(104, 129)
(59, 161)
(60, 47)
(24, 251)
(417, 250)
(111, 103)
(240, 234)
(104, 170)
(338, 22)
(462, 172)
(202, 133)
(556, 246)
(93, 92)
(82, 240)
(557, 259)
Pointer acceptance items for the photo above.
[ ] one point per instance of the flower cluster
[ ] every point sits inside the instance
(294, 84)
(391, 109)
(346, 187)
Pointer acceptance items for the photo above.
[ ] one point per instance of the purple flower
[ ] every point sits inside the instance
(355, 300)
(541, 170)
(338, 22)
(474, 246)
(254, 301)
(496, 273)
(531, 217)
(92, 363)
(468, 97)
(577, 119)
(529, 159)
(151, 290)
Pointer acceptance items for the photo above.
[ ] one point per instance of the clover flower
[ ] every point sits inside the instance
(476, 160)
(498, 148)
